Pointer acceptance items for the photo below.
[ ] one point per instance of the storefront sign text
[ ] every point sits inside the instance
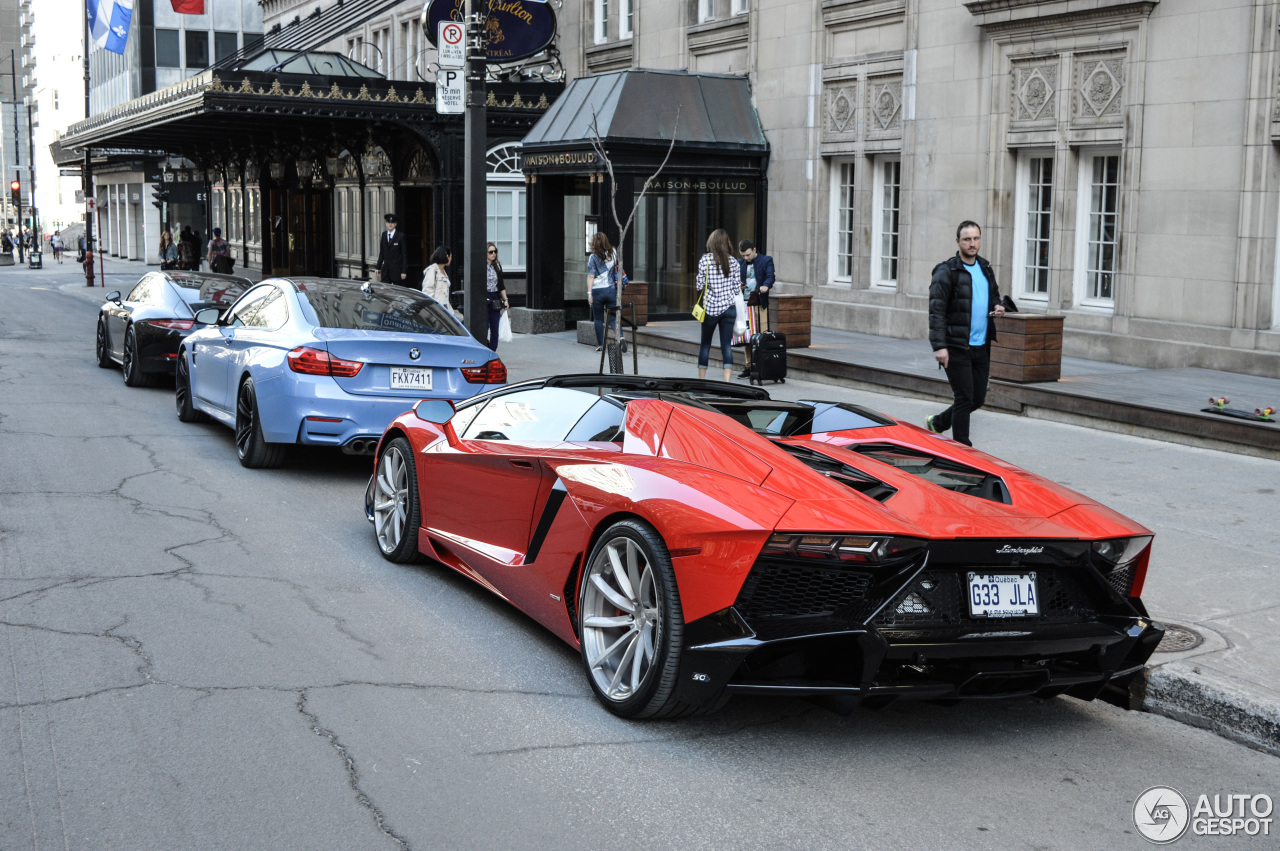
(515, 29)
(700, 185)
(571, 158)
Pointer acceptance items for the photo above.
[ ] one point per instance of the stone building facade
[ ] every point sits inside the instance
(1120, 155)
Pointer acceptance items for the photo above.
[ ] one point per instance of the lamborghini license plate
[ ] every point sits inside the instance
(410, 378)
(1003, 595)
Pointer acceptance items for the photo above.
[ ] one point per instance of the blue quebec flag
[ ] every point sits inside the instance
(109, 23)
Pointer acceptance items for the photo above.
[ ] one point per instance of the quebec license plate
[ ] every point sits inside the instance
(1003, 595)
(410, 378)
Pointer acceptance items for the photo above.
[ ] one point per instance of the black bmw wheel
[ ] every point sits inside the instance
(187, 411)
(396, 507)
(133, 374)
(253, 449)
(631, 624)
(102, 346)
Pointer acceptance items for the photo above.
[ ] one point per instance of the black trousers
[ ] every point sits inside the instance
(968, 371)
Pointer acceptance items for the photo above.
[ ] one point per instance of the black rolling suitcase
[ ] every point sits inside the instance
(768, 357)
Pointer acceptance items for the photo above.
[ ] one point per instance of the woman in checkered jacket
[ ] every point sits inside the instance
(719, 274)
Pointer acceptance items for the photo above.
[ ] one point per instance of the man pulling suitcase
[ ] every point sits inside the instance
(766, 351)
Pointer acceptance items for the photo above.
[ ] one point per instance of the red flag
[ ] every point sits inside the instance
(188, 7)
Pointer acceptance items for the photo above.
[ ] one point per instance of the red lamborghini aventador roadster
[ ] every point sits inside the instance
(697, 540)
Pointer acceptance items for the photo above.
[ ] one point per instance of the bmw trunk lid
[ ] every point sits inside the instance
(424, 364)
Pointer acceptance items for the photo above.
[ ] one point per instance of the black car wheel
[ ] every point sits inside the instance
(133, 374)
(253, 449)
(631, 624)
(187, 411)
(102, 346)
(397, 511)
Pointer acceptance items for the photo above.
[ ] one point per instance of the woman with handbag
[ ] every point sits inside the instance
(719, 280)
(168, 251)
(602, 282)
(496, 292)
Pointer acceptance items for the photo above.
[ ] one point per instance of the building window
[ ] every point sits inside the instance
(1034, 225)
(505, 206)
(884, 236)
(1098, 229)
(740, 7)
(627, 20)
(167, 54)
(197, 49)
(706, 10)
(225, 45)
(842, 234)
(602, 21)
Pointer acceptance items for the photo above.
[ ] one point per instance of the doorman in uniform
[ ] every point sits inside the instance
(391, 255)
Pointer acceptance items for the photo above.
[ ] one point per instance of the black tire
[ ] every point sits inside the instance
(251, 447)
(395, 490)
(187, 411)
(102, 346)
(651, 692)
(132, 366)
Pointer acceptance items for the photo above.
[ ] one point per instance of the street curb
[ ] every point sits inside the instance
(95, 294)
(1178, 690)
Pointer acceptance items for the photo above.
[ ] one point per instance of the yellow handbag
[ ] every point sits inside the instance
(699, 307)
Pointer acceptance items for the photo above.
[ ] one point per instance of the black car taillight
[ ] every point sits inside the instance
(171, 324)
(493, 372)
(1123, 562)
(863, 548)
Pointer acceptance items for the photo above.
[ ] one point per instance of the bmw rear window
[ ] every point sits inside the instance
(380, 308)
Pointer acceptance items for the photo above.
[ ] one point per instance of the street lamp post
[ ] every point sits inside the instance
(476, 304)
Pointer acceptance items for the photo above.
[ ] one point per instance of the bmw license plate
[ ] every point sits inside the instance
(1003, 595)
(410, 378)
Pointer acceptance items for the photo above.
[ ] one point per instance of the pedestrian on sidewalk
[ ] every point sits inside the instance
(56, 244)
(220, 254)
(435, 280)
(6, 242)
(392, 266)
(757, 280)
(495, 292)
(168, 252)
(721, 277)
(963, 298)
(602, 282)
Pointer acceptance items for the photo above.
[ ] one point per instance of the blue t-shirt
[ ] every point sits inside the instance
(981, 304)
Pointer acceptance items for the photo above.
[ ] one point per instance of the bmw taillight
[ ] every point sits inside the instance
(309, 361)
(493, 372)
(171, 324)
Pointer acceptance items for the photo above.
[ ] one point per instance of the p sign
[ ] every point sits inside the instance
(449, 91)
(450, 41)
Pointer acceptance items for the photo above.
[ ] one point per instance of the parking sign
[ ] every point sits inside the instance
(449, 91)
(450, 42)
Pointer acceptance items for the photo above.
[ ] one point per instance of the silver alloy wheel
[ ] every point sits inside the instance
(622, 628)
(391, 499)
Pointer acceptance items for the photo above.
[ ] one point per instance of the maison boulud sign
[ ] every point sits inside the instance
(516, 29)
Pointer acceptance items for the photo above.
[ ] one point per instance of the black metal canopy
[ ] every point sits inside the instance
(639, 107)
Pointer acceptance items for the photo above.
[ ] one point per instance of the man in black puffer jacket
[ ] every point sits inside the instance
(963, 297)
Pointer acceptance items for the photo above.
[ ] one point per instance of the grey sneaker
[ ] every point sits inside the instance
(928, 422)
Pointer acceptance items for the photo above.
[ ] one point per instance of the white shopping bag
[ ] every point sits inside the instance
(504, 328)
(740, 321)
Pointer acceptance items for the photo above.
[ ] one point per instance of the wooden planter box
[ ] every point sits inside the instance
(638, 294)
(1028, 348)
(791, 315)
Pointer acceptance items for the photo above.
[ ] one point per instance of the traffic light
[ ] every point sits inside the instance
(160, 194)
(15, 191)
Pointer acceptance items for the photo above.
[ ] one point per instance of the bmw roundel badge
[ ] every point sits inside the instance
(414, 354)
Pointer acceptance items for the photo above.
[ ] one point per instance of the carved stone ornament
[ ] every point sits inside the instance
(884, 102)
(1034, 91)
(1099, 85)
(840, 109)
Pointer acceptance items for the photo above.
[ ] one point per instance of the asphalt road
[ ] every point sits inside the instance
(197, 656)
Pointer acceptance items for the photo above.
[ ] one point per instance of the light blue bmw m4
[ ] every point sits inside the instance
(324, 362)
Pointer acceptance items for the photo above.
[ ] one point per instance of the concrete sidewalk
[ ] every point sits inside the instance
(1212, 572)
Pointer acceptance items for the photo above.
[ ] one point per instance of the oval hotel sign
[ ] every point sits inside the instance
(517, 29)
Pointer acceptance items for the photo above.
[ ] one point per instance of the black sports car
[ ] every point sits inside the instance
(142, 330)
